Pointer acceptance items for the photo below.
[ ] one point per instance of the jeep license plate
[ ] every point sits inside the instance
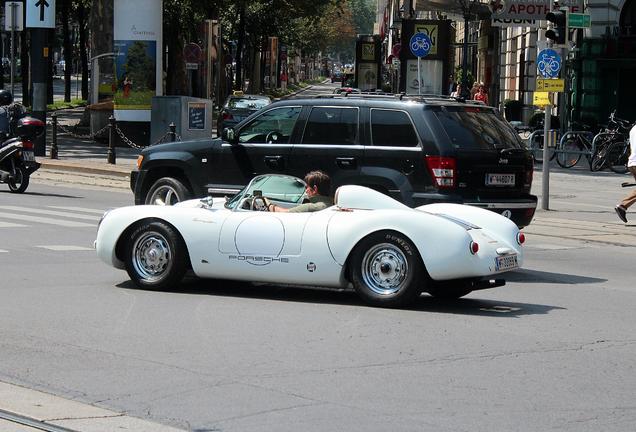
(500, 179)
(506, 262)
(28, 156)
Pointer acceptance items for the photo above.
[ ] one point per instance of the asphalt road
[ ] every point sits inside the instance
(553, 349)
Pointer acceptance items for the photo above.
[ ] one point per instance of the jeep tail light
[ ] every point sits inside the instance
(473, 247)
(521, 238)
(27, 145)
(227, 116)
(443, 170)
(529, 173)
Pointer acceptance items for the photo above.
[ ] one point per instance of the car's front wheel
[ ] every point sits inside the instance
(167, 191)
(387, 269)
(155, 256)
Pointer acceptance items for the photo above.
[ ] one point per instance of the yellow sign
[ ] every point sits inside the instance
(550, 85)
(541, 99)
(431, 31)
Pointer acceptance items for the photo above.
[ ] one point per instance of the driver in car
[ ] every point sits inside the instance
(317, 191)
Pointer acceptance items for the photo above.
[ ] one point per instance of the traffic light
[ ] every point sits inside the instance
(559, 31)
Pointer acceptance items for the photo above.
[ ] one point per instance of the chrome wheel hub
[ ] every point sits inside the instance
(164, 195)
(151, 256)
(384, 269)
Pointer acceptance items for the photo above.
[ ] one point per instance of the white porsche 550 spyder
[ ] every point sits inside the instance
(390, 253)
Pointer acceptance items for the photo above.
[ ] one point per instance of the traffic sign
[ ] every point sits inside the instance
(541, 99)
(579, 20)
(550, 85)
(420, 44)
(13, 16)
(549, 63)
(40, 13)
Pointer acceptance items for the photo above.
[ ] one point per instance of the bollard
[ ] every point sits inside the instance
(54, 142)
(173, 132)
(112, 156)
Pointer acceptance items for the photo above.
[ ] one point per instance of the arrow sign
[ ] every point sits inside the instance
(42, 4)
(40, 13)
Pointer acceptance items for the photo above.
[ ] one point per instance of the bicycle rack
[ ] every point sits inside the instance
(573, 134)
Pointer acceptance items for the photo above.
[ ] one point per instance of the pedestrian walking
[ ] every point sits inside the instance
(458, 91)
(474, 89)
(127, 86)
(621, 209)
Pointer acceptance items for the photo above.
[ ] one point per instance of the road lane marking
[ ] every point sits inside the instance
(80, 209)
(49, 212)
(44, 220)
(4, 251)
(11, 225)
(65, 248)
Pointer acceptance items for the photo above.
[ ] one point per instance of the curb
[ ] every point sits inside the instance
(116, 171)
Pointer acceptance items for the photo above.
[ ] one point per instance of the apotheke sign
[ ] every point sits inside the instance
(525, 13)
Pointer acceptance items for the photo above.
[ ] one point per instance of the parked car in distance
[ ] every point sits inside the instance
(389, 252)
(416, 149)
(238, 107)
(336, 76)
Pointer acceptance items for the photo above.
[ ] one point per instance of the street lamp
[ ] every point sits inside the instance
(466, 6)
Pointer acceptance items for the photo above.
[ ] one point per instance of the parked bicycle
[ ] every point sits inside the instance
(612, 146)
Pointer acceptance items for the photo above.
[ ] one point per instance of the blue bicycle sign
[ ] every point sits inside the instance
(420, 44)
(549, 63)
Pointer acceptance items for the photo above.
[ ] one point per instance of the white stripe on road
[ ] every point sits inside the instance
(80, 209)
(29, 218)
(11, 225)
(65, 248)
(3, 251)
(50, 212)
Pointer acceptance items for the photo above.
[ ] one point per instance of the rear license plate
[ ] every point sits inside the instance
(28, 156)
(500, 179)
(506, 262)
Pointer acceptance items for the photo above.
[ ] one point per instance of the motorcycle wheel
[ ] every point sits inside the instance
(20, 181)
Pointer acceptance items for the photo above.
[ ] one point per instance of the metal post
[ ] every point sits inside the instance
(545, 177)
(54, 142)
(13, 24)
(419, 77)
(173, 132)
(112, 156)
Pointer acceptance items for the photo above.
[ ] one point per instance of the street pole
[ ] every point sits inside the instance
(13, 24)
(545, 177)
(39, 77)
(465, 90)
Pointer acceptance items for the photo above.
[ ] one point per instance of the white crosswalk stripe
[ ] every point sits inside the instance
(11, 225)
(65, 248)
(50, 212)
(45, 220)
(79, 209)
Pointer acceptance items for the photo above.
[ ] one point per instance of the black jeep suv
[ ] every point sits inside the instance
(417, 149)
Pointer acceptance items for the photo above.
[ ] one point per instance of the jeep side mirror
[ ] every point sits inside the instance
(229, 135)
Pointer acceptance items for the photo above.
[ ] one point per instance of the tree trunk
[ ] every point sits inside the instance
(68, 50)
(238, 85)
(177, 78)
(101, 25)
(81, 20)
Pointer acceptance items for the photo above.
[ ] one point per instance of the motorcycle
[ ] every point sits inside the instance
(17, 159)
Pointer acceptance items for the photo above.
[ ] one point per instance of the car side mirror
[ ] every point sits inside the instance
(229, 135)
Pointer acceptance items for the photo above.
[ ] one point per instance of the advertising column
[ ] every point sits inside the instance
(137, 45)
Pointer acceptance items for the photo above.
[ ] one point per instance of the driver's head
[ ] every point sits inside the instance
(320, 180)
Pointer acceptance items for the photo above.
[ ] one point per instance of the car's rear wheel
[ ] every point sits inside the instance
(450, 290)
(155, 256)
(387, 269)
(167, 191)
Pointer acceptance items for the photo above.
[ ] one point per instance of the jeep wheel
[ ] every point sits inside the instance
(387, 269)
(167, 191)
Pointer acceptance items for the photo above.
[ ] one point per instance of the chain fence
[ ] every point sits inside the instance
(71, 130)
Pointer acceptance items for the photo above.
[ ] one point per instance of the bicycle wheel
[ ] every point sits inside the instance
(618, 153)
(599, 158)
(569, 153)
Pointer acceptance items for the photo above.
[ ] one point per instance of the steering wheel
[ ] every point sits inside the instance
(259, 204)
(273, 137)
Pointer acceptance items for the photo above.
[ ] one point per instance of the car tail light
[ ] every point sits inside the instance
(443, 170)
(27, 145)
(521, 238)
(529, 173)
(473, 247)
(227, 116)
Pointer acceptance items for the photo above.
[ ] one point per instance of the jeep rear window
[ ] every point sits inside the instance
(476, 128)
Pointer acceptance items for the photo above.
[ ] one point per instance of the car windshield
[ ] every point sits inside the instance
(279, 188)
(247, 103)
(476, 128)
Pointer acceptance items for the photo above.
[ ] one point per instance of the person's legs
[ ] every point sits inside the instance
(628, 201)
